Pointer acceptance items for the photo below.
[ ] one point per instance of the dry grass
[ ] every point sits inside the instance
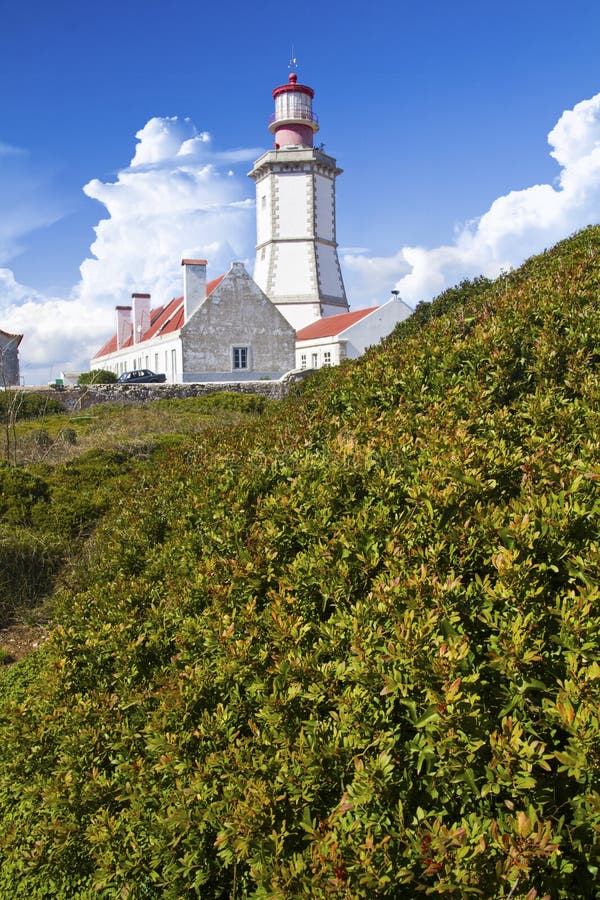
(58, 438)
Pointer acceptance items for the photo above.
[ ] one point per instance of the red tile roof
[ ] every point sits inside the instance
(163, 320)
(329, 326)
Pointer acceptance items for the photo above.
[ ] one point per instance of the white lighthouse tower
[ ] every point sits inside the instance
(297, 264)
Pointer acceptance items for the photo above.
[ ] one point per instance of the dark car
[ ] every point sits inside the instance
(141, 376)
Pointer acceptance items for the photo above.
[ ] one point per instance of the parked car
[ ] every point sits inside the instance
(141, 376)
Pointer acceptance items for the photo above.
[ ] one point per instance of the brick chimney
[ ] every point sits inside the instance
(194, 285)
(123, 325)
(141, 316)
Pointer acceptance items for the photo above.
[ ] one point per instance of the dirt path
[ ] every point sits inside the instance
(19, 640)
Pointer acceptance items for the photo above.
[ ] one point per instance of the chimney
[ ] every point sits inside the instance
(141, 316)
(194, 285)
(123, 325)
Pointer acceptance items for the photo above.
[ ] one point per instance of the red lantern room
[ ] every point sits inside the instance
(293, 122)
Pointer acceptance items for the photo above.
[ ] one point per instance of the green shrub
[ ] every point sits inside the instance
(349, 649)
(17, 405)
(69, 436)
(97, 376)
(29, 561)
(21, 492)
(41, 438)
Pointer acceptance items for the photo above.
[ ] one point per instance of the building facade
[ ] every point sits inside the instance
(295, 313)
(331, 340)
(226, 330)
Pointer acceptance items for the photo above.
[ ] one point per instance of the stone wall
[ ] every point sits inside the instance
(74, 398)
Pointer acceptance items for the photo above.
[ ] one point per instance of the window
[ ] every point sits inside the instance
(264, 201)
(315, 361)
(303, 360)
(326, 357)
(240, 357)
(174, 365)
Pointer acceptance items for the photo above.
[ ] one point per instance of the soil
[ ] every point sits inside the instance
(19, 640)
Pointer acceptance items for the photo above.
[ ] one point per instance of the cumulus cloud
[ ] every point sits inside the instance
(50, 344)
(514, 227)
(173, 200)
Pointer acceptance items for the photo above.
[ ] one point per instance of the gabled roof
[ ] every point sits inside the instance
(330, 326)
(163, 320)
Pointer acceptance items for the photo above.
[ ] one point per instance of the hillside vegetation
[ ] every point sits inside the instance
(348, 650)
(74, 469)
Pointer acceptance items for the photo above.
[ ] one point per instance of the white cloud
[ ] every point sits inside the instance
(514, 227)
(49, 345)
(172, 201)
(10, 150)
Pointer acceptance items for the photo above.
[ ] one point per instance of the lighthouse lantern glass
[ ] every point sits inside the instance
(293, 105)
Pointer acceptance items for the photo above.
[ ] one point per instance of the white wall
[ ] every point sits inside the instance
(292, 205)
(292, 272)
(300, 314)
(324, 208)
(352, 343)
(264, 209)
(143, 356)
(330, 281)
(374, 327)
(318, 353)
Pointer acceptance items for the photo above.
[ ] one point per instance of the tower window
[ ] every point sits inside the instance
(264, 201)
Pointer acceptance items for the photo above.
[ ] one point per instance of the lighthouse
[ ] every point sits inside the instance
(297, 263)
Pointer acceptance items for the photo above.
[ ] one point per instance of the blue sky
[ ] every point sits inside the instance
(433, 111)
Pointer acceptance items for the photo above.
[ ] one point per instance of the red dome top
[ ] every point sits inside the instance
(293, 86)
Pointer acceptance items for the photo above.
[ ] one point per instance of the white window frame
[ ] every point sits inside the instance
(240, 353)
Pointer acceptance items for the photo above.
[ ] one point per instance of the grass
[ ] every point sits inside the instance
(73, 470)
(59, 437)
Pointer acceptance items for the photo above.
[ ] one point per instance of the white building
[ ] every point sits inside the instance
(226, 330)
(330, 340)
(235, 328)
(297, 263)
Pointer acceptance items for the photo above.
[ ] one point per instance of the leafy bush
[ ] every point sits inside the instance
(349, 649)
(21, 492)
(42, 439)
(16, 405)
(97, 376)
(28, 563)
(219, 400)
